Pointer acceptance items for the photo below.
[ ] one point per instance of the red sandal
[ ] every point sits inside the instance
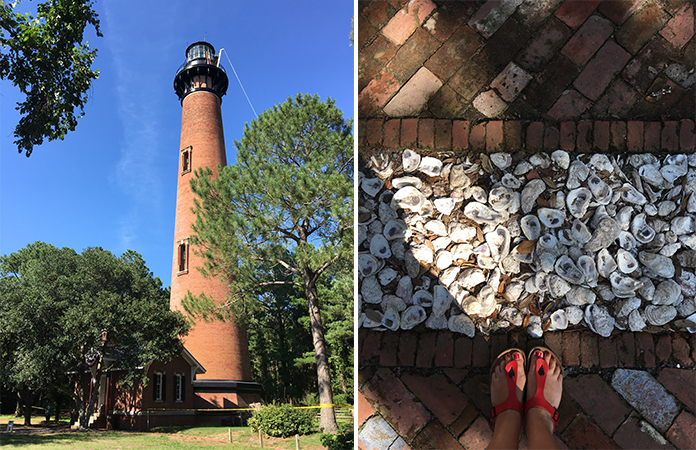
(540, 371)
(511, 402)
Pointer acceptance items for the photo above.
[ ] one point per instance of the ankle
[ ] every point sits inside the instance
(538, 419)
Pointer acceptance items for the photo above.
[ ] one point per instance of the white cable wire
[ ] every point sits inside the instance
(238, 80)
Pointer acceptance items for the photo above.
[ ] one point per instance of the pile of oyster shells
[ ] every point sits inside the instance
(545, 243)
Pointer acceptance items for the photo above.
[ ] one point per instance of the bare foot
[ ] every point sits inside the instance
(499, 388)
(553, 388)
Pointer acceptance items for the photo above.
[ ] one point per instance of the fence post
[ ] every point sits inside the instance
(229, 434)
(260, 439)
(297, 442)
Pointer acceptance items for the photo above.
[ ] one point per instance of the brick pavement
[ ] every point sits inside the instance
(532, 75)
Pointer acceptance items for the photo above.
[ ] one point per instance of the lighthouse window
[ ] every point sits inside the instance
(182, 252)
(186, 160)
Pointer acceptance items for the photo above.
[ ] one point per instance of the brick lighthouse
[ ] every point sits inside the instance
(220, 347)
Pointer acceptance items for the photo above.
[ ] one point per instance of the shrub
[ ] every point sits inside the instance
(282, 421)
(341, 441)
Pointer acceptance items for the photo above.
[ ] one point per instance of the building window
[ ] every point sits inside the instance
(182, 255)
(159, 387)
(186, 160)
(179, 387)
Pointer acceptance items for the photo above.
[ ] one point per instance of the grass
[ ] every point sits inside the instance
(173, 438)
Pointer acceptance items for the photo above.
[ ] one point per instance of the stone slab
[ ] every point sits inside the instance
(413, 96)
(405, 22)
(376, 435)
(492, 15)
(647, 396)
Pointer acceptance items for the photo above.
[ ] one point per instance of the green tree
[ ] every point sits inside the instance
(287, 202)
(58, 307)
(45, 57)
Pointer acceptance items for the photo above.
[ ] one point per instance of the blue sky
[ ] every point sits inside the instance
(112, 182)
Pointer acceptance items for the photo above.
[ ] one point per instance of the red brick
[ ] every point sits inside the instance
(409, 132)
(582, 433)
(670, 138)
(405, 22)
(617, 100)
(498, 343)
(682, 383)
(444, 349)
(458, 48)
(575, 12)
(364, 408)
(434, 436)
(374, 132)
(489, 103)
(511, 81)
(619, 10)
(512, 133)
(554, 341)
(598, 73)
(682, 433)
(567, 138)
(587, 40)
(687, 137)
(370, 347)
(448, 18)
(443, 134)
(372, 59)
(411, 56)
(408, 344)
(642, 70)
(460, 134)
(585, 141)
(494, 136)
(456, 375)
(645, 349)
(640, 27)
(518, 339)
(426, 349)
(652, 136)
(426, 133)
(589, 350)
(551, 84)
(571, 348)
(568, 106)
(634, 136)
(502, 47)
(551, 137)
(481, 352)
(376, 94)
(567, 411)
(535, 136)
(377, 14)
(618, 136)
(663, 348)
(631, 434)
(601, 135)
(438, 394)
(396, 403)
(477, 137)
(626, 349)
(680, 28)
(544, 45)
(362, 126)
(607, 353)
(464, 420)
(392, 131)
(387, 355)
(476, 437)
(489, 17)
(681, 350)
(598, 400)
(462, 352)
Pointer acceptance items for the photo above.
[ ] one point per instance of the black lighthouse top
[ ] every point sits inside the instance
(200, 72)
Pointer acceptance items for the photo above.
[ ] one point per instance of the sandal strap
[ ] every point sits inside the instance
(538, 400)
(511, 402)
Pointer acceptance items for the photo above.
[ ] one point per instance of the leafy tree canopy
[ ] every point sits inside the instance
(285, 204)
(46, 58)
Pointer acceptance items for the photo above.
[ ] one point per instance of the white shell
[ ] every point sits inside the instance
(410, 160)
(661, 265)
(442, 299)
(422, 298)
(436, 322)
(501, 160)
(436, 227)
(470, 278)
(557, 286)
(395, 229)
(534, 328)
(443, 260)
(561, 159)
(371, 186)
(460, 233)
(458, 177)
(604, 235)
(391, 319)
(566, 269)
(500, 198)
(574, 314)
(631, 195)
(379, 246)
(530, 193)
(580, 232)
(606, 264)
(577, 173)
(386, 276)
(461, 323)
(408, 198)
(448, 275)
(499, 243)
(624, 286)
(580, 296)
(412, 316)
(667, 292)
(371, 290)
(398, 183)
(559, 321)
(626, 261)
(578, 201)
(599, 320)
(551, 218)
(589, 270)
(480, 213)
(368, 265)
(660, 315)
(510, 181)
(404, 288)
(682, 225)
(430, 166)
(531, 227)
(635, 321)
(445, 205)
(601, 191)
(641, 230)
(601, 163)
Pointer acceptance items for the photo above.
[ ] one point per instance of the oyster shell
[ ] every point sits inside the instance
(430, 166)
(461, 323)
(408, 198)
(660, 315)
(599, 320)
(412, 316)
(530, 193)
(480, 213)
(531, 227)
(578, 201)
(410, 160)
(379, 246)
(501, 160)
(551, 218)
(660, 265)
(566, 269)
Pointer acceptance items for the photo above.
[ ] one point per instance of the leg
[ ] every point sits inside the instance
(539, 424)
(508, 424)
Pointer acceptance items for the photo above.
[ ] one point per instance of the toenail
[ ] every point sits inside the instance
(516, 356)
(538, 354)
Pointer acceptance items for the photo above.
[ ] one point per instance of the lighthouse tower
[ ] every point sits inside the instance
(220, 347)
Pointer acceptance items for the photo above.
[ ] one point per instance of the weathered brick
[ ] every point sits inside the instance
(426, 133)
(634, 136)
(477, 137)
(489, 104)
(440, 396)
(468, 80)
(680, 28)
(682, 383)
(426, 349)
(626, 349)
(589, 350)
(583, 433)
(681, 350)
(588, 39)
(569, 106)
(687, 137)
(413, 96)
(571, 348)
(551, 137)
(640, 27)
(575, 12)
(544, 45)
(494, 136)
(645, 349)
(598, 400)
(618, 136)
(546, 88)
(616, 101)
(372, 59)
(567, 136)
(498, 345)
(388, 349)
(670, 137)
(391, 134)
(502, 47)
(535, 136)
(364, 408)
(369, 353)
(511, 81)
(643, 69)
(554, 341)
(619, 10)
(374, 132)
(683, 432)
(458, 48)
(607, 353)
(460, 134)
(405, 22)
(585, 133)
(663, 348)
(491, 16)
(447, 18)
(512, 133)
(601, 135)
(376, 94)
(598, 73)
(443, 134)
(408, 346)
(444, 349)
(462, 352)
(411, 56)
(362, 127)
(652, 137)
(409, 133)
(636, 433)
(481, 352)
